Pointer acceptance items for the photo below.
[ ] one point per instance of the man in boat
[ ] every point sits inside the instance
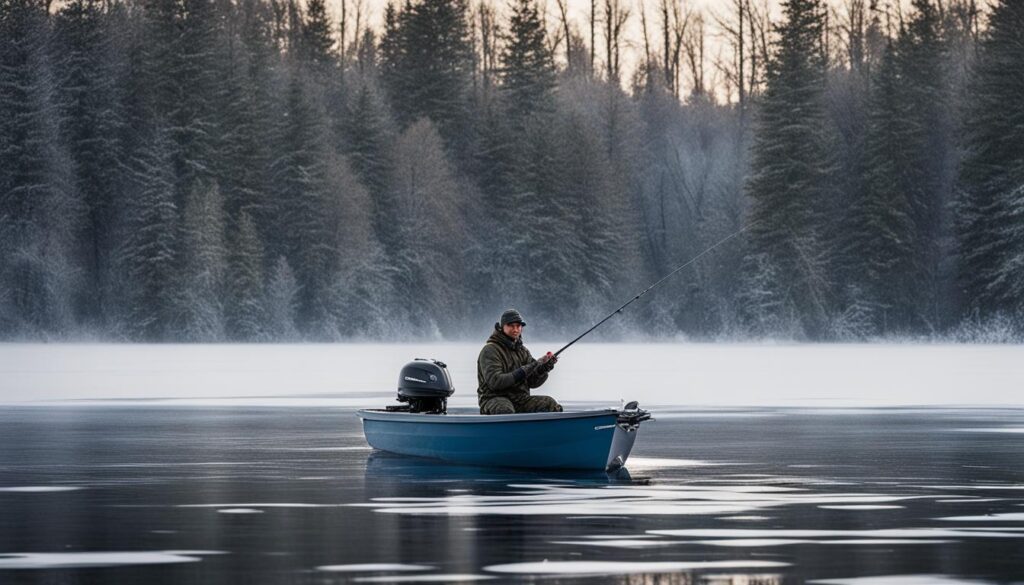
(506, 371)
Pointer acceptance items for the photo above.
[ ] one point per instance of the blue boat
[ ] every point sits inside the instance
(589, 439)
(423, 427)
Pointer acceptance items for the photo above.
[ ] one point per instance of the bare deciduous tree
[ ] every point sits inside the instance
(563, 17)
(486, 31)
(615, 17)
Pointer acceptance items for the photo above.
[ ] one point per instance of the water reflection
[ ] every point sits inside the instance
(295, 496)
(384, 468)
(577, 495)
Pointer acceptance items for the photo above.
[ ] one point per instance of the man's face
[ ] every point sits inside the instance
(513, 330)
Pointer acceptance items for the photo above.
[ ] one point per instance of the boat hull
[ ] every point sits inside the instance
(595, 440)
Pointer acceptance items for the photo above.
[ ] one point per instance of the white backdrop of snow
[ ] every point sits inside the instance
(655, 374)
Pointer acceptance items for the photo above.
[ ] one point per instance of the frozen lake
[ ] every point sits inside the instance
(137, 493)
(662, 374)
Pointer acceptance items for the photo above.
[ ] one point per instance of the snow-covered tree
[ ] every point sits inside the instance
(882, 234)
(787, 185)
(306, 206)
(282, 302)
(245, 312)
(92, 76)
(41, 212)
(201, 284)
(427, 60)
(149, 252)
(991, 197)
(527, 65)
(429, 227)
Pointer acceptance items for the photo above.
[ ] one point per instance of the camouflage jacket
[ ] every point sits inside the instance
(506, 368)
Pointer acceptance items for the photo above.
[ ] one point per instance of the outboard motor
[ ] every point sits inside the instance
(425, 386)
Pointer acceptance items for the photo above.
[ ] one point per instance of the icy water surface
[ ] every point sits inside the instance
(164, 494)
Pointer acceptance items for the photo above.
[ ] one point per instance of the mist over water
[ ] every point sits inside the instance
(862, 375)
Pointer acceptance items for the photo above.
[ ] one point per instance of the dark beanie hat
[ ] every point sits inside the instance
(511, 316)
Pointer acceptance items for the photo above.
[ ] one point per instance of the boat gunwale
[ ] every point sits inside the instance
(381, 415)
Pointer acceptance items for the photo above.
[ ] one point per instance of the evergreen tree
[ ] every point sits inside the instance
(391, 44)
(368, 136)
(249, 107)
(245, 311)
(563, 257)
(927, 138)
(41, 213)
(991, 198)
(149, 251)
(528, 70)
(200, 308)
(881, 236)
(429, 228)
(317, 47)
(198, 80)
(516, 158)
(787, 183)
(92, 79)
(306, 207)
(427, 58)
(180, 81)
(368, 145)
(848, 101)
(363, 291)
(282, 302)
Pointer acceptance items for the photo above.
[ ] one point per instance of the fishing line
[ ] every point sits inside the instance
(663, 279)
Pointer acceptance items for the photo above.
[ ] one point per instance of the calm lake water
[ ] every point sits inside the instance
(137, 493)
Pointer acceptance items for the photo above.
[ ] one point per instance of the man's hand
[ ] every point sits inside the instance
(546, 363)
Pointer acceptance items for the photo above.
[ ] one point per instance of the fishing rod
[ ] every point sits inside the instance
(648, 289)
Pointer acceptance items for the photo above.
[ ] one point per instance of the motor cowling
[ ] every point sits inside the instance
(424, 384)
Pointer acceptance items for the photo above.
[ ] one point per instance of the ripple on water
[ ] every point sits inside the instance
(901, 580)
(36, 489)
(627, 500)
(623, 567)
(628, 543)
(887, 533)
(372, 568)
(1005, 517)
(66, 560)
(262, 505)
(861, 507)
(432, 578)
(1011, 430)
(660, 463)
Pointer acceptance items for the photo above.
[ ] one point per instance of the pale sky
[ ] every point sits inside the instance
(579, 16)
(717, 49)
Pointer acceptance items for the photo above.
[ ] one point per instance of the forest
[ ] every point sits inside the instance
(269, 170)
